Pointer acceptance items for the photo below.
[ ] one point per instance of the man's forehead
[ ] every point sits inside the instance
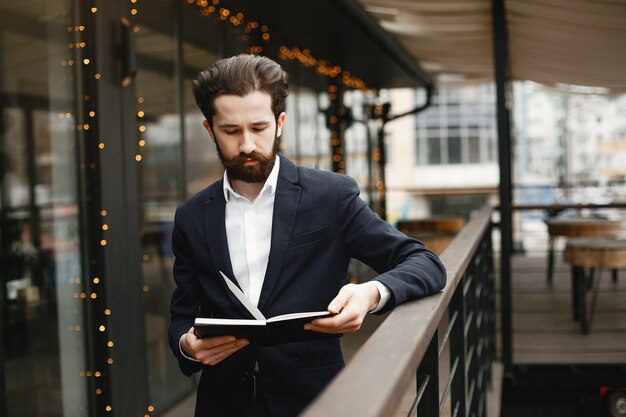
(257, 105)
(258, 97)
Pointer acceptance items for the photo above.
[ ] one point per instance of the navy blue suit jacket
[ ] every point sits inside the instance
(319, 224)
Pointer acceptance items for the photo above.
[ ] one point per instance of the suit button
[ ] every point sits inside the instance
(245, 376)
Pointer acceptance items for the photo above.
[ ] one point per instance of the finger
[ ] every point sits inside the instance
(345, 328)
(206, 356)
(347, 320)
(211, 342)
(341, 299)
(238, 343)
(215, 359)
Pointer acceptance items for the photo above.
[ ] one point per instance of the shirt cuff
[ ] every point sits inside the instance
(385, 295)
(182, 352)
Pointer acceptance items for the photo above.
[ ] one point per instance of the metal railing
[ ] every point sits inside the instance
(408, 345)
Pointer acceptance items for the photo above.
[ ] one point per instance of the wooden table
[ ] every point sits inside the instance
(586, 255)
(435, 232)
(574, 227)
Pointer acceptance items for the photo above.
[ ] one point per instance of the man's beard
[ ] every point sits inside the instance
(256, 173)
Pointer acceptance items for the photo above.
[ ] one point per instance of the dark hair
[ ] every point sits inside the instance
(241, 75)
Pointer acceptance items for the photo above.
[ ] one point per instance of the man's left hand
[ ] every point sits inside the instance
(350, 306)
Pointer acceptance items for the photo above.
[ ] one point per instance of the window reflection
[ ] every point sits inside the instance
(43, 326)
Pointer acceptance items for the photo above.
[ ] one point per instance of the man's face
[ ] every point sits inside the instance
(246, 135)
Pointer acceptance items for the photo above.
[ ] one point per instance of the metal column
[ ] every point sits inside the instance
(502, 76)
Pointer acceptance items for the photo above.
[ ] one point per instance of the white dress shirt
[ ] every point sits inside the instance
(249, 233)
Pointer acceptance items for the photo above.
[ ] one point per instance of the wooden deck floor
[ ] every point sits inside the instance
(544, 331)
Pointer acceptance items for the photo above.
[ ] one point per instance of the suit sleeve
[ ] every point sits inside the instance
(186, 298)
(404, 264)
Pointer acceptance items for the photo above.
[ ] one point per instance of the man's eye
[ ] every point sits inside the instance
(231, 132)
(259, 128)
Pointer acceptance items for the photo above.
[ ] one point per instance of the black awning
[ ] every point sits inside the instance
(340, 32)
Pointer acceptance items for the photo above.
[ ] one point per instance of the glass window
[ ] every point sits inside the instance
(434, 150)
(454, 150)
(43, 322)
(474, 149)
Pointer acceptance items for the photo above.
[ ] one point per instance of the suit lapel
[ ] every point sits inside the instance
(215, 232)
(284, 218)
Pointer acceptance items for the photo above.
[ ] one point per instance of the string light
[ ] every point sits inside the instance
(321, 66)
(142, 129)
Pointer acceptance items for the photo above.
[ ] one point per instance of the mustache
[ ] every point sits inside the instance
(254, 155)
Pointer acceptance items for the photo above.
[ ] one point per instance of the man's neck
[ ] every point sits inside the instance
(249, 190)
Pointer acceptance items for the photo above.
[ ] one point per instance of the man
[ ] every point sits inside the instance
(286, 235)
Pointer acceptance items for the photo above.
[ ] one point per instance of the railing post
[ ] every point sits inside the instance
(490, 301)
(458, 388)
(428, 375)
(472, 365)
(483, 326)
(483, 341)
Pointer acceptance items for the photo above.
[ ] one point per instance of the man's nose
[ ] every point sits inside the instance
(247, 144)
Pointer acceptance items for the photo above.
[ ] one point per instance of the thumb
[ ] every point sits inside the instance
(340, 300)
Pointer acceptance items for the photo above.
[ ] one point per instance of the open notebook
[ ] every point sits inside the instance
(260, 330)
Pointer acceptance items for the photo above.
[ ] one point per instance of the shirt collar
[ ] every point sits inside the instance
(270, 183)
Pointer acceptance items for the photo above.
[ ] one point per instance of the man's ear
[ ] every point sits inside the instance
(205, 123)
(279, 123)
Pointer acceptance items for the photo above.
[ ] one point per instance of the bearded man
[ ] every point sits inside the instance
(286, 235)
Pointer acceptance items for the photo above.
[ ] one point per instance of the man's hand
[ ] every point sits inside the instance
(350, 306)
(211, 350)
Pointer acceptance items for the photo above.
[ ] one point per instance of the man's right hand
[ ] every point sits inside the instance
(211, 350)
